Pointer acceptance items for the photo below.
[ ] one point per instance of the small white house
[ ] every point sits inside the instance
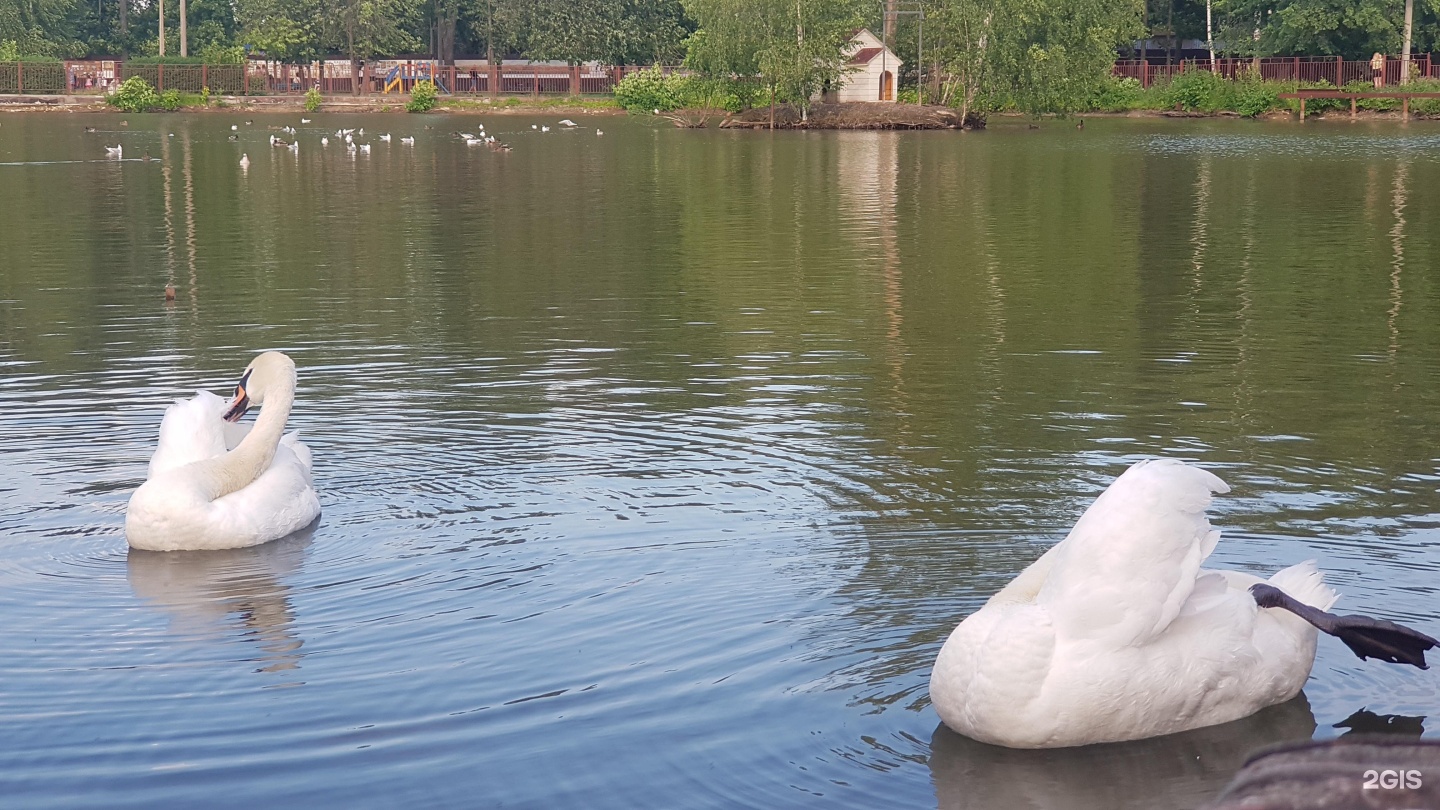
(873, 70)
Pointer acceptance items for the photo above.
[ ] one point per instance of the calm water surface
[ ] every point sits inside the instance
(657, 466)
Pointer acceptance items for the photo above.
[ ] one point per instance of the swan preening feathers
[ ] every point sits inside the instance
(1117, 633)
(213, 484)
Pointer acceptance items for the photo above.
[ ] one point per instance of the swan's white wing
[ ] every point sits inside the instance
(301, 451)
(277, 503)
(192, 430)
(1130, 563)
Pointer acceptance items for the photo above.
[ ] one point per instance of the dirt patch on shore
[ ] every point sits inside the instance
(855, 115)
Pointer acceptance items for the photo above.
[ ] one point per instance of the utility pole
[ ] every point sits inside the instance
(162, 27)
(892, 13)
(1405, 50)
(184, 40)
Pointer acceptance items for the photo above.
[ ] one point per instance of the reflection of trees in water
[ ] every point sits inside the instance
(1180, 770)
(999, 451)
(213, 594)
(1398, 199)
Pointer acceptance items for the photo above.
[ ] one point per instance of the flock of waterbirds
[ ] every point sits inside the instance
(349, 137)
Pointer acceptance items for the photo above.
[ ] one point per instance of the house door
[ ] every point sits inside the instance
(887, 86)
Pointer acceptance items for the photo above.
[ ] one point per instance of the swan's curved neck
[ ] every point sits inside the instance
(252, 457)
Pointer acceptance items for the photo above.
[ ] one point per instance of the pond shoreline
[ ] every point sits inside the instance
(850, 116)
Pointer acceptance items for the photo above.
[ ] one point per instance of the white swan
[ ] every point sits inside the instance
(213, 484)
(1117, 633)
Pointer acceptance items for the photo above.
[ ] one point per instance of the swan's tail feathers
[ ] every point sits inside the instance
(190, 431)
(1130, 563)
(1366, 637)
(1305, 582)
(292, 440)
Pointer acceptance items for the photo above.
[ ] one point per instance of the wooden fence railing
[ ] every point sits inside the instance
(1331, 69)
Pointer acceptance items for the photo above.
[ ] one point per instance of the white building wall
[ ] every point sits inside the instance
(864, 83)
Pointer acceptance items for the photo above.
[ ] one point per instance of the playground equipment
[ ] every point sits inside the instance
(402, 78)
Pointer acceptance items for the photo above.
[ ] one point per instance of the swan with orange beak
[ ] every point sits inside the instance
(213, 485)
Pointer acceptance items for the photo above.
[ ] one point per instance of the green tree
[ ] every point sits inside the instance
(40, 27)
(1032, 55)
(1350, 28)
(796, 47)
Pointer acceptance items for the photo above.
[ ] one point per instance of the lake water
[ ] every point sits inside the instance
(656, 466)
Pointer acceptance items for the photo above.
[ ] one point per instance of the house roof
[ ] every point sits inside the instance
(864, 55)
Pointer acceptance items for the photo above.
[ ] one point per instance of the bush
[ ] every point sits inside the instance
(422, 99)
(10, 51)
(217, 54)
(1117, 94)
(1255, 96)
(134, 95)
(169, 100)
(650, 90)
(647, 90)
(1199, 90)
(165, 60)
(313, 99)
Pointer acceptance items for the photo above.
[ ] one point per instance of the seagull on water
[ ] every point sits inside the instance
(385, 137)
(233, 127)
(304, 120)
(408, 140)
(567, 122)
(245, 161)
(116, 151)
(324, 141)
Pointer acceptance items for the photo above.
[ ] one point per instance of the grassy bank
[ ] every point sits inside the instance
(1204, 92)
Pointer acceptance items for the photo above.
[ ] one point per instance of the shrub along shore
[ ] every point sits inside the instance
(693, 101)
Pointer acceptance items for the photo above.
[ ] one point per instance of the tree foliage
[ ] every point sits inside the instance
(1032, 55)
(796, 47)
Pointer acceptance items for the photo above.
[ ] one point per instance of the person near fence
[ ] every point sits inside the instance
(1377, 68)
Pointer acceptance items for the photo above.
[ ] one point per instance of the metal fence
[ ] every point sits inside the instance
(258, 77)
(33, 77)
(1314, 69)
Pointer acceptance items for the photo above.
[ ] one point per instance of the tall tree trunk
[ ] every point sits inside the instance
(446, 17)
(1209, 36)
(184, 39)
(1174, 44)
(162, 27)
(1144, 29)
(888, 26)
(800, 48)
(124, 17)
(1405, 48)
(354, 63)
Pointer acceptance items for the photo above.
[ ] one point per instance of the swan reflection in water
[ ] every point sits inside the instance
(207, 594)
(1188, 769)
